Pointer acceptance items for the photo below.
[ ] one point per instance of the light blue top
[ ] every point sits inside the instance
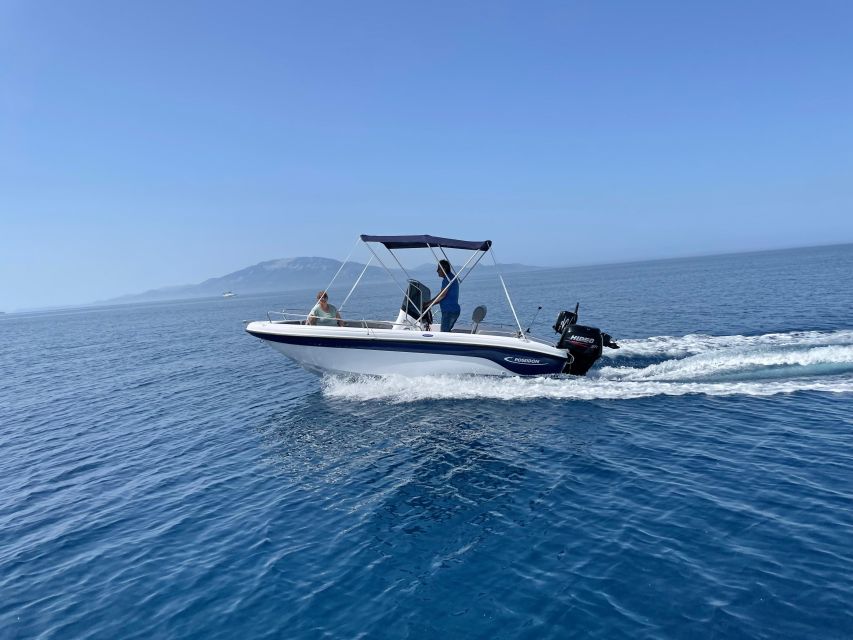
(326, 318)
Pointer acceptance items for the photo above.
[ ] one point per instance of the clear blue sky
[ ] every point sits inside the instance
(154, 143)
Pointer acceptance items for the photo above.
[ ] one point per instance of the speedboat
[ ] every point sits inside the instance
(411, 345)
(229, 294)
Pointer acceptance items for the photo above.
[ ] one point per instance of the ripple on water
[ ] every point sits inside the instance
(157, 483)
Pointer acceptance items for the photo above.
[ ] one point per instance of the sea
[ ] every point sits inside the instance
(165, 475)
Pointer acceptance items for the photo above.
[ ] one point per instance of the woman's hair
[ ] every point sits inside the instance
(445, 266)
(321, 294)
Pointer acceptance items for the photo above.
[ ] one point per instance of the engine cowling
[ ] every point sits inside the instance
(585, 344)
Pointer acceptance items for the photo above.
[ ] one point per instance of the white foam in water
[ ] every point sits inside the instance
(680, 346)
(712, 365)
(752, 361)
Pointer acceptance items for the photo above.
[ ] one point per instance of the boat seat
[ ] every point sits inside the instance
(477, 317)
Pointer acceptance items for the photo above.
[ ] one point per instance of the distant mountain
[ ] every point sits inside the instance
(289, 274)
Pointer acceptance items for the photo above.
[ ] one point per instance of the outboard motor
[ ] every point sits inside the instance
(584, 344)
(416, 298)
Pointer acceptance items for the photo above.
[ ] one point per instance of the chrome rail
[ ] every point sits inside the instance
(286, 317)
(490, 328)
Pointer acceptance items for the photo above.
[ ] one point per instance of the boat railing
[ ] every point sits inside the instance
(282, 317)
(289, 317)
(294, 316)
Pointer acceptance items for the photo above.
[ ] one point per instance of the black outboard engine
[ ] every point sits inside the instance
(584, 344)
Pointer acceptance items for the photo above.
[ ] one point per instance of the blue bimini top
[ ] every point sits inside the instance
(450, 302)
(415, 242)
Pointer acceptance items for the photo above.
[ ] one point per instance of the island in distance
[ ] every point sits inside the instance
(289, 274)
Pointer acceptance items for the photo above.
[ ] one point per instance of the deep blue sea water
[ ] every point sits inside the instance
(165, 475)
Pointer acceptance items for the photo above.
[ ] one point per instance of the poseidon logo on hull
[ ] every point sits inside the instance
(515, 360)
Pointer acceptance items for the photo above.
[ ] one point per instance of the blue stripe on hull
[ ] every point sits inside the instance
(517, 361)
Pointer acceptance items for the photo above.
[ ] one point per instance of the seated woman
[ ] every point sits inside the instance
(324, 313)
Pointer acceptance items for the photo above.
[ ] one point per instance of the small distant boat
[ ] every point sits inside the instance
(229, 294)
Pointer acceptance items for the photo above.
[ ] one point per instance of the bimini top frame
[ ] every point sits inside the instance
(432, 243)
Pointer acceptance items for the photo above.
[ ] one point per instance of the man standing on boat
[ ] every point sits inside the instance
(448, 298)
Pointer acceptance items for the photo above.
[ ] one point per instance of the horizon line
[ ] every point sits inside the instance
(89, 305)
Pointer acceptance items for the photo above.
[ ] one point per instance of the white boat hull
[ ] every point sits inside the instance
(358, 351)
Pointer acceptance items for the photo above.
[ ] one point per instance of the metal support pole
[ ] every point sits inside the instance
(508, 299)
(455, 277)
(363, 271)
(388, 271)
(342, 265)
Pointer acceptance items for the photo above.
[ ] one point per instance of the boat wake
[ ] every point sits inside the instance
(761, 365)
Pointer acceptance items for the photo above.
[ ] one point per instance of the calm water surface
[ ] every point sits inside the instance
(164, 475)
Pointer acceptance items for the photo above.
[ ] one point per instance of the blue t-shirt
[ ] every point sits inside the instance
(450, 302)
